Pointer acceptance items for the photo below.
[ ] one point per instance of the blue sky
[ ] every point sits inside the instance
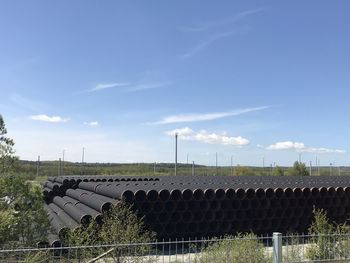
(248, 79)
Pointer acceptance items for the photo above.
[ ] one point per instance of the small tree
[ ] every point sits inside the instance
(278, 171)
(323, 242)
(6, 149)
(298, 169)
(23, 221)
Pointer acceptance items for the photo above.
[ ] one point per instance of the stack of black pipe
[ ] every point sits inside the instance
(199, 206)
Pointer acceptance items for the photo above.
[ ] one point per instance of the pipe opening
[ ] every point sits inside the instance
(209, 194)
(164, 195)
(198, 195)
(187, 195)
(220, 194)
(175, 194)
(140, 196)
(250, 193)
(230, 194)
(152, 195)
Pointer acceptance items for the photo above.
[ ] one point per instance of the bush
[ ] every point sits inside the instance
(23, 220)
(241, 249)
(322, 241)
(119, 226)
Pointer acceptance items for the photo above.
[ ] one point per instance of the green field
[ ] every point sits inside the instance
(51, 168)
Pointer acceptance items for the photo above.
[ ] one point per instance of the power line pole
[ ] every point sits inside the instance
(310, 168)
(154, 168)
(231, 165)
(263, 163)
(216, 163)
(82, 161)
(187, 159)
(176, 153)
(63, 161)
(330, 169)
(271, 169)
(59, 167)
(193, 168)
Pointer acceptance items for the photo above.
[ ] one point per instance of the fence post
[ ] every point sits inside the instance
(277, 247)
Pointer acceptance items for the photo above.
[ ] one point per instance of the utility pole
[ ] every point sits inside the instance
(299, 157)
(176, 153)
(38, 166)
(310, 168)
(216, 163)
(63, 162)
(271, 169)
(187, 159)
(318, 166)
(82, 161)
(231, 165)
(154, 168)
(263, 163)
(59, 167)
(330, 169)
(193, 168)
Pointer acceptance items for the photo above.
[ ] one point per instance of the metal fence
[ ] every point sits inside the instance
(244, 249)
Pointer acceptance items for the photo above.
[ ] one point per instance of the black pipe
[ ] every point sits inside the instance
(198, 194)
(187, 195)
(72, 211)
(250, 193)
(220, 194)
(164, 195)
(209, 194)
(64, 217)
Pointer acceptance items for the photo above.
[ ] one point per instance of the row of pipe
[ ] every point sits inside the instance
(199, 205)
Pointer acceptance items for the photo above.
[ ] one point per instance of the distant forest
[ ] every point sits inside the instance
(54, 168)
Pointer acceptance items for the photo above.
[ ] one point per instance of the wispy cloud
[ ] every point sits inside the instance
(147, 86)
(91, 123)
(46, 118)
(194, 117)
(203, 45)
(300, 147)
(103, 86)
(206, 137)
(208, 25)
(127, 86)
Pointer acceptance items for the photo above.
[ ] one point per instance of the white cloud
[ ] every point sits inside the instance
(194, 117)
(46, 118)
(206, 137)
(102, 86)
(91, 123)
(300, 147)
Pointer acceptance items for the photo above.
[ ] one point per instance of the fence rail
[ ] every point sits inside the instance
(243, 249)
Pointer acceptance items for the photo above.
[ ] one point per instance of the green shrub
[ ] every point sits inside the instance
(241, 249)
(120, 226)
(322, 237)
